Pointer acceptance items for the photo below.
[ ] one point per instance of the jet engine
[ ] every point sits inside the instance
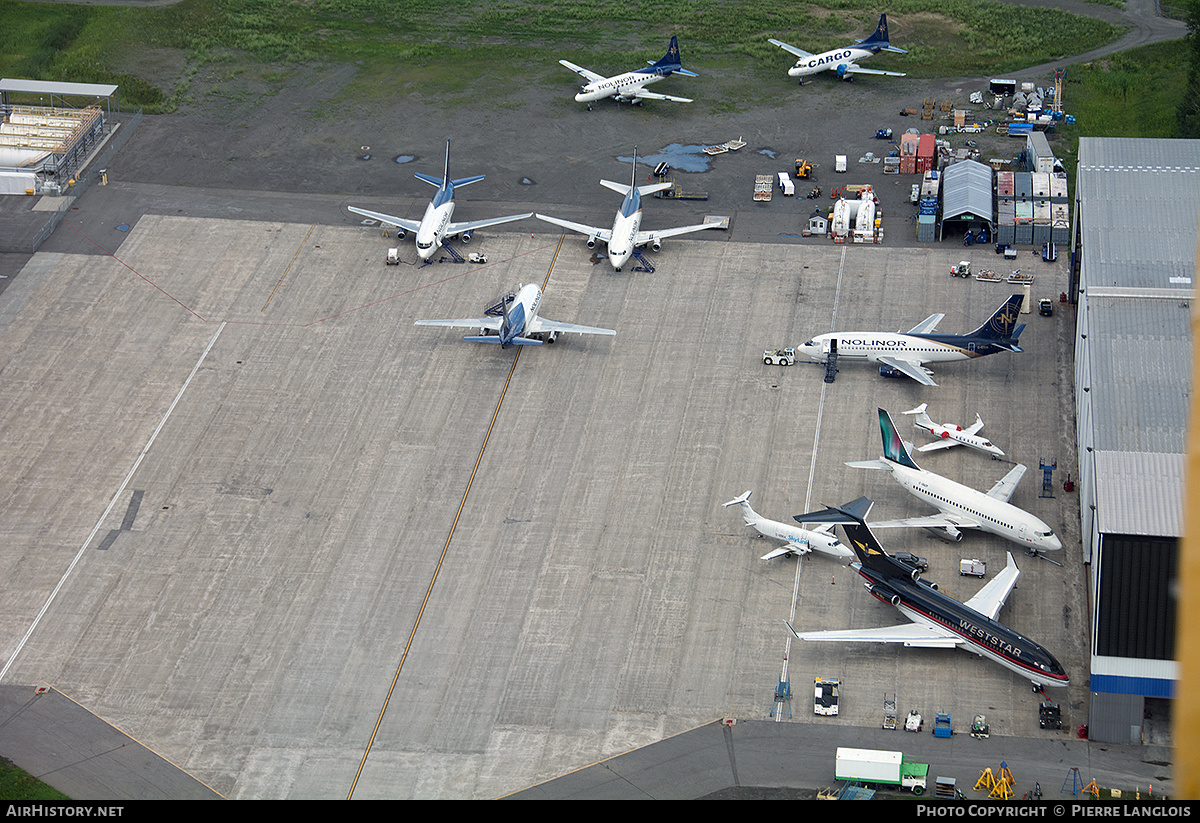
(843, 74)
(884, 594)
(465, 237)
(400, 233)
(933, 586)
(947, 533)
(656, 244)
(591, 243)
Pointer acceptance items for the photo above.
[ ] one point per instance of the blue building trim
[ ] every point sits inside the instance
(1143, 686)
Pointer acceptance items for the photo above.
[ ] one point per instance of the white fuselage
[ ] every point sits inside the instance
(432, 230)
(800, 540)
(524, 308)
(828, 60)
(624, 238)
(870, 346)
(623, 85)
(996, 516)
(959, 436)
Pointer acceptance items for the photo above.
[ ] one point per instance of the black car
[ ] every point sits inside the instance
(910, 559)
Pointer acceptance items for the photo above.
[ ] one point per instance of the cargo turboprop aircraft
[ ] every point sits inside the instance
(950, 435)
(938, 621)
(799, 541)
(960, 507)
(518, 324)
(630, 86)
(905, 352)
(843, 61)
(436, 227)
(625, 235)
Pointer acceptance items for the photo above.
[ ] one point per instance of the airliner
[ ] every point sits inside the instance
(517, 323)
(906, 352)
(949, 435)
(436, 227)
(630, 86)
(960, 507)
(625, 235)
(938, 621)
(799, 541)
(843, 61)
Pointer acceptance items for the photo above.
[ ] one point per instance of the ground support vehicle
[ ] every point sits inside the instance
(941, 724)
(1045, 307)
(980, 728)
(825, 696)
(393, 257)
(779, 357)
(972, 568)
(914, 722)
(963, 269)
(886, 768)
(1049, 716)
(883, 134)
(804, 169)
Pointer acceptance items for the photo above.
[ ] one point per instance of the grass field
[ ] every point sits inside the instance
(17, 786)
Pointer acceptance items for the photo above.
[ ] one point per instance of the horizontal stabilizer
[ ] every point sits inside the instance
(494, 338)
(853, 512)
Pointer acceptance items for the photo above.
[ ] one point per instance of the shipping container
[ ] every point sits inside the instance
(1058, 188)
(1023, 185)
(1040, 183)
(1004, 185)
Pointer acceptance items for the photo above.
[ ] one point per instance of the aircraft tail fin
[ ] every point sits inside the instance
(671, 61)
(1002, 326)
(894, 449)
(922, 417)
(879, 40)
(748, 514)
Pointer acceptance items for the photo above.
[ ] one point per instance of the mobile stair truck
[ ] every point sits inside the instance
(880, 767)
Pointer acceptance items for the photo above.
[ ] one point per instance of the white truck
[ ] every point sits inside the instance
(780, 357)
(825, 696)
(393, 257)
(972, 568)
(839, 163)
(880, 767)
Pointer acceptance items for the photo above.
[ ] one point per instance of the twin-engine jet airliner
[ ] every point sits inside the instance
(949, 435)
(517, 324)
(960, 507)
(905, 352)
(938, 621)
(436, 226)
(799, 541)
(626, 235)
(843, 61)
(630, 86)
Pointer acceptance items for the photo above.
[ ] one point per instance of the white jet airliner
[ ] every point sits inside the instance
(799, 541)
(437, 226)
(950, 435)
(517, 323)
(843, 61)
(960, 507)
(626, 235)
(630, 86)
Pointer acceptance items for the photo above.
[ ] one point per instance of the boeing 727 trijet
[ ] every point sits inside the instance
(436, 227)
(938, 621)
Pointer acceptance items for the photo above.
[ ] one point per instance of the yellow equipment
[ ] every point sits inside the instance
(803, 168)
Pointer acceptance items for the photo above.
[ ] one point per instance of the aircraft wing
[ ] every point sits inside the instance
(492, 323)
(472, 225)
(931, 521)
(912, 634)
(990, 599)
(792, 49)
(1007, 484)
(912, 368)
(586, 74)
(642, 94)
(407, 225)
(940, 443)
(927, 325)
(644, 237)
(791, 548)
(854, 68)
(976, 426)
(595, 231)
(541, 324)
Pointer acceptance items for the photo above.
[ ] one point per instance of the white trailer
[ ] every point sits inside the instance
(786, 185)
(876, 766)
(839, 163)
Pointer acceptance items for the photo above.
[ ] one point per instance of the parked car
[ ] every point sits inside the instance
(910, 559)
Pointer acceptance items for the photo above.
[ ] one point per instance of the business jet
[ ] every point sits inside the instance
(843, 61)
(517, 323)
(626, 235)
(906, 352)
(800, 541)
(938, 621)
(436, 227)
(949, 435)
(960, 507)
(630, 86)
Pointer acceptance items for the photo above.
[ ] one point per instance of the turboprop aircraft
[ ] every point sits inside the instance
(436, 227)
(960, 507)
(517, 323)
(906, 352)
(630, 86)
(843, 61)
(950, 435)
(938, 621)
(625, 235)
(800, 541)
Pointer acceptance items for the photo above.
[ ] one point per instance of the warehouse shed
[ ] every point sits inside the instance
(1133, 356)
(968, 198)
